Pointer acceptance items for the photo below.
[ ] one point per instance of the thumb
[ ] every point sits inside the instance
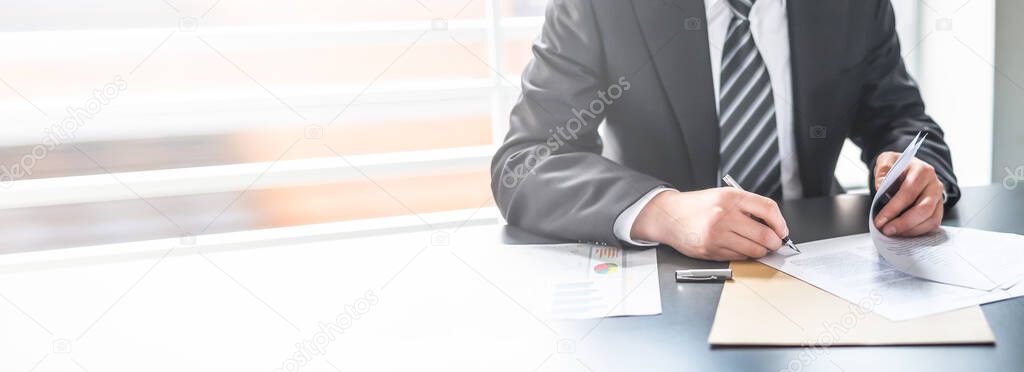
(883, 164)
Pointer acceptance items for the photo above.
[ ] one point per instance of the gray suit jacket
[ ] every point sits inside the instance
(642, 70)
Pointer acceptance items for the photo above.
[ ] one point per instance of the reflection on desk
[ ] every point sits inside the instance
(400, 294)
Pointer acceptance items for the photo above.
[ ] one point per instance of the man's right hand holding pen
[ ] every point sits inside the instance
(713, 224)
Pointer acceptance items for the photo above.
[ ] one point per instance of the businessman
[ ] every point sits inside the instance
(686, 91)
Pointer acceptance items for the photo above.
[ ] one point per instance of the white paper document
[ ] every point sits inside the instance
(850, 267)
(945, 270)
(577, 281)
(964, 257)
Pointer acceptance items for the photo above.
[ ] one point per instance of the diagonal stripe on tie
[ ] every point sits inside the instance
(759, 180)
(738, 38)
(758, 147)
(743, 70)
(749, 172)
(745, 154)
(749, 149)
(741, 7)
(733, 143)
(753, 95)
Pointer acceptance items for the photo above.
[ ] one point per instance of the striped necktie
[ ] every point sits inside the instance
(749, 149)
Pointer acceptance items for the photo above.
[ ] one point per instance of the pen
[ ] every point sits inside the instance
(785, 241)
(703, 275)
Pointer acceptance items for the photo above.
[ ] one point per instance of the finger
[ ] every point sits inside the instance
(743, 246)
(930, 224)
(882, 166)
(922, 209)
(755, 232)
(767, 210)
(918, 177)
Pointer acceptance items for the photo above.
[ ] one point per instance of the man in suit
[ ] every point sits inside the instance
(690, 90)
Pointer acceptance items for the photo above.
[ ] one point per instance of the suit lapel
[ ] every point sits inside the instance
(816, 31)
(676, 36)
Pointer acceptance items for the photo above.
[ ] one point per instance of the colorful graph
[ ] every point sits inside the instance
(606, 268)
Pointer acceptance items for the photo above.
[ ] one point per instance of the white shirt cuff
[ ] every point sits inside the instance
(624, 223)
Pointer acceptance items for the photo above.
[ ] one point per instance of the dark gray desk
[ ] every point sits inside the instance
(677, 339)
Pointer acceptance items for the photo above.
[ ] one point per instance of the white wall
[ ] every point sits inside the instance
(948, 47)
(1008, 133)
(956, 77)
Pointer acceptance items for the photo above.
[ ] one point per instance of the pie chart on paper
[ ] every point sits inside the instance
(606, 268)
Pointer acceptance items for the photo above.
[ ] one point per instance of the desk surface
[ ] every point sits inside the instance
(253, 300)
(677, 340)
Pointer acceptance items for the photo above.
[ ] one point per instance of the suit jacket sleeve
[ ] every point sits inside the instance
(549, 176)
(891, 111)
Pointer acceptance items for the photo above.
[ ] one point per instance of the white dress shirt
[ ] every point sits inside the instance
(769, 27)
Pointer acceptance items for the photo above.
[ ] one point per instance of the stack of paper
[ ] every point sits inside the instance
(949, 269)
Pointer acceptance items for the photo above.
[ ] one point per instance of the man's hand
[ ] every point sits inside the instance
(712, 224)
(916, 209)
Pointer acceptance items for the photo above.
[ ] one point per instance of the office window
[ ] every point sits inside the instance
(265, 90)
(172, 85)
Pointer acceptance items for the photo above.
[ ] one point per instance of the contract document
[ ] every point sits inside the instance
(851, 267)
(948, 269)
(964, 257)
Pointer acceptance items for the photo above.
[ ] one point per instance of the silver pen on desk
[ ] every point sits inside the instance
(785, 241)
(703, 275)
